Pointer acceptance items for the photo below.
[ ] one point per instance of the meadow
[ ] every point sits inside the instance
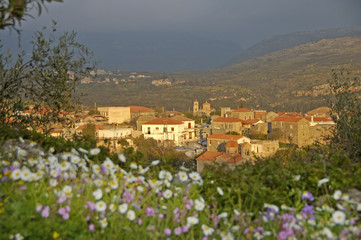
(56, 189)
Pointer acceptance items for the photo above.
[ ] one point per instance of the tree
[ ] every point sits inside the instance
(13, 12)
(35, 90)
(345, 105)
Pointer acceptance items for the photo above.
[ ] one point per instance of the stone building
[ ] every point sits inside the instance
(205, 110)
(243, 114)
(217, 142)
(222, 125)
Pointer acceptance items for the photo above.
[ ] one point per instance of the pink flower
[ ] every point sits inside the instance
(167, 231)
(91, 227)
(61, 199)
(65, 216)
(178, 231)
(46, 211)
(39, 208)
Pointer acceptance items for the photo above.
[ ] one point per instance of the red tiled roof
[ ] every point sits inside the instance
(225, 136)
(242, 110)
(231, 144)
(227, 119)
(57, 131)
(139, 109)
(235, 159)
(250, 121)
(209, 156)
(182, 118)
(163, 121)
(287, 119)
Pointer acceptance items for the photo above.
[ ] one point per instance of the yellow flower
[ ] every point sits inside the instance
(2, 210)
(21, 183)
(55, 235)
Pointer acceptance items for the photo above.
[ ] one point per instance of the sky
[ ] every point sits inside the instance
(245, 22)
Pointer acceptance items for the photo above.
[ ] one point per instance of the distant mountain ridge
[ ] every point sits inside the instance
(279, 42)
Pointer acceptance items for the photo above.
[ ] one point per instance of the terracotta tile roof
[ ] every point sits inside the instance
(231, 144)
(209, 156)
(227, 119)
(235, 159)
(242, 110)
(225, 136)
(287, 119)
(163, 121)
(56, 131)
(250, 121)
(140, 109)
(181, 118)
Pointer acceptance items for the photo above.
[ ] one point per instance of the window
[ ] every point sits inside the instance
(210, 142)
(245, 117)
(172, 129)
(157, 128)
(291, 126)
(148, 130)
(189, 125)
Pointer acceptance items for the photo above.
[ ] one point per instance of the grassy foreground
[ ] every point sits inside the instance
(71, 192)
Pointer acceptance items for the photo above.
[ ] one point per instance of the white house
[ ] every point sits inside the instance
(164, 129)
(189, 127)
(113, 133)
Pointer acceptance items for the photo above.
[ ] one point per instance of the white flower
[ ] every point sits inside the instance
(98, 182)
(113, 184)
(223, 215)
(195, 176)
(96, 168)
(108, 164)
(183, 176)
(155, 162)
(94, 151)
(191, 221)
(168, 176)
(339, 217)
(121, 157)
(345, 197)
(226, 236)
(358, 208)
(327, 232)
(123, 208)
(199, 205)
(143, 170)
(53, 182)
(67, 191)
(131, 215)
(103, 223)
(167, 194)
(64, 166)
(296, 178)
(207, 230)
(133, 165)
(236, 212)
(18, 236)
(100, 206)
(322, 181)
(75, 159)
(16, 174)
(112, 207)
(75, 152)
(98, 194)
(82, 150)
(161, 174)
(220, 191)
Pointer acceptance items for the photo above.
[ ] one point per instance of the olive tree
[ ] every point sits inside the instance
(345, 104)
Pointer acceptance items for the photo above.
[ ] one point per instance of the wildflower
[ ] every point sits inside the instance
(358, 208)
(16, 174)
(131, 215)
(183, 176)
(143, 170)
(162, 174)
(112, 207)
(168, 176)
(18, 236)
(108, 164)
(236, 212)
(123, 208)
(91, 227)
(64, 166)
(327, 232)
(133, 165)
(178, 231)
(103, 223)
(296, 178)
(167, 231)
(226, 236)
(155, 162)
(94, 151)
(191, 221)
(45, 212)
(113, 184)
(82, 150)
(322, 181)
(100, 206)
(220, 191)
(96, 168)
(149, 211)
(167, 194)
(98, 194)
(308, 196)
(75, 159)
(121, 157)
(223, 215)
(55, 235)
(339, 217)
(67, 191)
(207, 230)
(195, 176)
(25, 175)
(199, 205)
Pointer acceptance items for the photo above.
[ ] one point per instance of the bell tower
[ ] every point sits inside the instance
(195, 107)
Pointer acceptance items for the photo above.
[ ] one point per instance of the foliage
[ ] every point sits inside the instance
(345, 104)
(95, 196)
(45, 80)
(13, 12)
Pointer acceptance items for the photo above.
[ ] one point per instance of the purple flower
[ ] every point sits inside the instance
(149, 211)
(65, 216)
(61, 211)
(46, 211)
(160, 215)
(308, 196)
(23, 187)
(90, 205)
(61, 199)
(167, 231)
(140, 221)
(178, 231)
(91, 227)
(39, 208)
(185, 229)
(282, 235)
(102, 169)
(308, 209)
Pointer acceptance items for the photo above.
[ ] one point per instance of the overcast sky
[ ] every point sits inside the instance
(243, 21)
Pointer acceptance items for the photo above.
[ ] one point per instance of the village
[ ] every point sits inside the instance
(232, 138)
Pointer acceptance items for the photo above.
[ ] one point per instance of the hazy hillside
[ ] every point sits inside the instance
(280, 42)
(291, 79)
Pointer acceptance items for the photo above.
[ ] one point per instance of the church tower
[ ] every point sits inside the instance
(195, 107)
